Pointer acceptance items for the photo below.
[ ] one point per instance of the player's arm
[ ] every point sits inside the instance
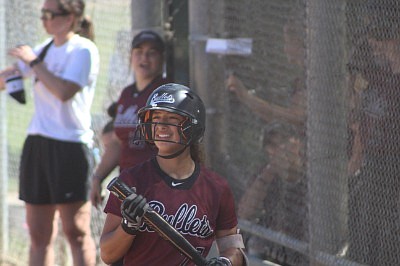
(230, 246)
(357, 85)
(114, 241)
(265, 110)
(109, 160)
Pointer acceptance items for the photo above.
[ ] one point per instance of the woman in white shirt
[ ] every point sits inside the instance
(56, 159)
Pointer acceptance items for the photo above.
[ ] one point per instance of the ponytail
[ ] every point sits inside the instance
(82, 25)
(86, 28)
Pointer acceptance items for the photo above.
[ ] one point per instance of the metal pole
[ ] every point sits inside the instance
(326, 153)
(147, 14)
(3, 140)
(198, 60)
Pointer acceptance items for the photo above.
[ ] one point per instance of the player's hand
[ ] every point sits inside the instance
(235, 85)
(219, 261)
(232, 82)
(95, 192)
(133, 209)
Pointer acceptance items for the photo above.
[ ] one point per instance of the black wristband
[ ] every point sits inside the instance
(127, 229)
(35, 62)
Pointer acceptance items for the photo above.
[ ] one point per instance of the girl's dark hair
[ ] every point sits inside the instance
(83, 24)
(112, 109)
(197, 153)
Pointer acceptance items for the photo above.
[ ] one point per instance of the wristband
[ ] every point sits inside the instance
(225, 260)
(35, 62)
(129, 227)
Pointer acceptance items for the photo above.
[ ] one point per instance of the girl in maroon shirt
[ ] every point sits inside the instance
(147, 60)
(193, 199)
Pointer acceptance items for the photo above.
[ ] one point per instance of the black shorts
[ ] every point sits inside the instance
(53, 172)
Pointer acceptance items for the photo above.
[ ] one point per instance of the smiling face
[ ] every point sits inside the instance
(166, 131)
(146, 61)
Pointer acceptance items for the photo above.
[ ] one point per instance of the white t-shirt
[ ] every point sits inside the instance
(77, 61)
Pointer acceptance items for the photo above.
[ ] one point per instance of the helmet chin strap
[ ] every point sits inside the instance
(174, 155)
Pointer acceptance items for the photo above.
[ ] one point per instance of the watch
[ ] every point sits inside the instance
(35, 62)
(225, 260)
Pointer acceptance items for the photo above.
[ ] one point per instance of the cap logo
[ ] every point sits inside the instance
(147, 36)
(163, 98)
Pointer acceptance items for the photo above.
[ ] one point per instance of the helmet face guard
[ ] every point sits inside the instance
(185, 130)
(177, 99)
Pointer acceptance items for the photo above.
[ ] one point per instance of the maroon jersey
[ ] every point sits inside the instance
(196, 207)
(125, 122)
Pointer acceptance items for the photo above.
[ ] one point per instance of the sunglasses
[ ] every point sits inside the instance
(49, 15)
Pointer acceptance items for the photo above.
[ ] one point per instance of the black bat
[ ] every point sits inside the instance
(161, 226)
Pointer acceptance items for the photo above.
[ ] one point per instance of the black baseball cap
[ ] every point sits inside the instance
(148, 36)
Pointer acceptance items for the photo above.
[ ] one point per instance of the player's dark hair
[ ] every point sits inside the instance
(197, 153)
(112, 109)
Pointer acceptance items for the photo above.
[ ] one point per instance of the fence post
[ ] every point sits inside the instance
(3, 140)
(326, 153)
(147, 14)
